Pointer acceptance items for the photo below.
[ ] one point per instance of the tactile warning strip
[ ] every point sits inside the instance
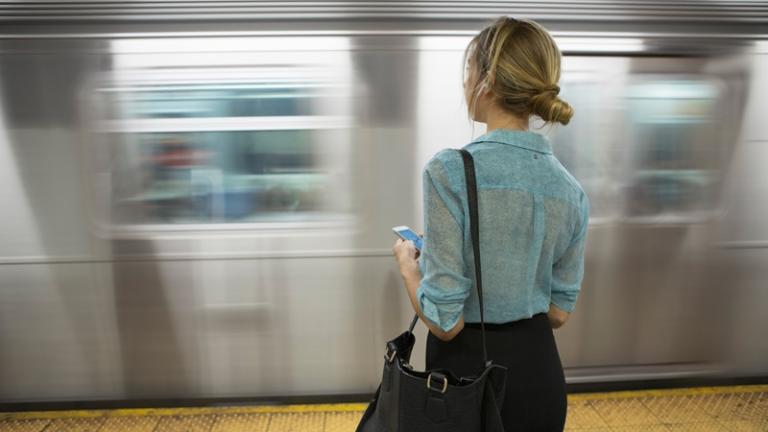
(719, 409)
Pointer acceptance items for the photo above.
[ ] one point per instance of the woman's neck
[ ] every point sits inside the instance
(499, 119)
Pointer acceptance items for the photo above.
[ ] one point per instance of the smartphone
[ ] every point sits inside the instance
(406, 233)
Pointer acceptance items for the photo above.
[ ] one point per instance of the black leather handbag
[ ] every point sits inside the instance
(437, 400)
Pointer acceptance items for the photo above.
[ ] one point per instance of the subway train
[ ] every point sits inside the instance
(198, 196)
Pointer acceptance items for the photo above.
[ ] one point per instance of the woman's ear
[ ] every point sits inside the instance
(484, 90)
(484, 94)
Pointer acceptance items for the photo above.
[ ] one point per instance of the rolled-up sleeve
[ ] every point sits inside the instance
(568, 270)
(444, 288)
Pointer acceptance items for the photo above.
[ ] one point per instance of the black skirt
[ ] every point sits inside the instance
(535, 397)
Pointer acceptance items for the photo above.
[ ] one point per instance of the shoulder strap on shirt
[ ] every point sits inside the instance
(474, 227)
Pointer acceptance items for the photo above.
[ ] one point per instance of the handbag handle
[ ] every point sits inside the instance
(474, 228)
(469, 175)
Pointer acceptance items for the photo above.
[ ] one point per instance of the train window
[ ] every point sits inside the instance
(674, 155)
(642, 146)
(206, 148)
(221, 176)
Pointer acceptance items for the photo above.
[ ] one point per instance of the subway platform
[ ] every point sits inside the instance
(701, 409)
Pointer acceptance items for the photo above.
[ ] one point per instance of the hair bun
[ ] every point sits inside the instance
(551, 108)
(517, 62)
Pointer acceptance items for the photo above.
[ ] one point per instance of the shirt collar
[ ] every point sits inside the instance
(517, 138)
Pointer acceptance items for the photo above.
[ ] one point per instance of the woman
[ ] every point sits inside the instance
(533, 223)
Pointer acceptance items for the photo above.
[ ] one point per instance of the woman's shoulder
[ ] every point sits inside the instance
(446, 168)
(574, 186)
(445, 160)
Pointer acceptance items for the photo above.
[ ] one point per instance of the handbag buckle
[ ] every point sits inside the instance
(440, 376)
(390, 356)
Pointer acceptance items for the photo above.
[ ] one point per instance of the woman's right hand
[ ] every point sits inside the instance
(557, 317)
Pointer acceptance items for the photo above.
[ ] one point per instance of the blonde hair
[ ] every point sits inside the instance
(519, 63)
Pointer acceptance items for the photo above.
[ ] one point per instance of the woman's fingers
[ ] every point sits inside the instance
(404, 249)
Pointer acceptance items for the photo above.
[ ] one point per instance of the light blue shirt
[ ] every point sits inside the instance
(533, 224)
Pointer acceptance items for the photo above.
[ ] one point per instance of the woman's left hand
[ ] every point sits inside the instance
(406, 255)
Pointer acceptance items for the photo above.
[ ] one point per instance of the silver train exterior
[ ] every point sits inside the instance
(198, 201)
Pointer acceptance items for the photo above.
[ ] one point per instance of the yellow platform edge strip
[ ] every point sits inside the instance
(352, 407)
(689, 391)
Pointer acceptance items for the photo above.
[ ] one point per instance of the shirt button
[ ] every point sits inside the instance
(535, 156)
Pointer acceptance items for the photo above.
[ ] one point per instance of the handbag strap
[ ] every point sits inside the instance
(469, 175)
(474, 228)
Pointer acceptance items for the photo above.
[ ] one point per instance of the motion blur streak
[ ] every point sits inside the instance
(26, 236)
(596, 45)
(203, 208)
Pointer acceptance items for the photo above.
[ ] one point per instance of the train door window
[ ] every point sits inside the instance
(675, 153)
(642, 146)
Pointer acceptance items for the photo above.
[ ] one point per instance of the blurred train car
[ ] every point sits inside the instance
(197, 197)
